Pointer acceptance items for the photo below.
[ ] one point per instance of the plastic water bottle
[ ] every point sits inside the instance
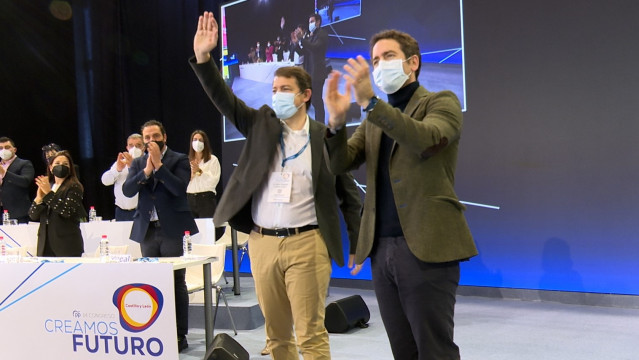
(104, 249)
(3, 247)
(92, 214)
(186, 244)
(5, 218)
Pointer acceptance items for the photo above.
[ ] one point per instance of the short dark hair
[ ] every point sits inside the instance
(407, 44)
(317, 18)
(6, 139)
(153, 123)
(302, 78)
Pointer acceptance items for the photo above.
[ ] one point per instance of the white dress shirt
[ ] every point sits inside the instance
(117, 178)
(300, 211)
(207, 181)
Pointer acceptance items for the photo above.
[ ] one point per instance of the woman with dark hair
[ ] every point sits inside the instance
(58, 207)
(205, 174)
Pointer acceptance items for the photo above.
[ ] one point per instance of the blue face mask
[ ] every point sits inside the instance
(311, 27)
(284, 105)
(389, 75)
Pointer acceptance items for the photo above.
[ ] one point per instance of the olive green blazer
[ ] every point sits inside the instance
(422, 172)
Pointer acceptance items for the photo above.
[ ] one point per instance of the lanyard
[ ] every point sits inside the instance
(295, 156)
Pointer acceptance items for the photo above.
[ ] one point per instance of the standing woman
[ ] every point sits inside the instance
(58, 207)
(205, 174)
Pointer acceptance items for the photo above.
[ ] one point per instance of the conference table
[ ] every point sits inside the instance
(26, 235)
(82, 307)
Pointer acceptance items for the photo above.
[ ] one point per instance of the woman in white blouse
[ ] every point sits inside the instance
(205, 174)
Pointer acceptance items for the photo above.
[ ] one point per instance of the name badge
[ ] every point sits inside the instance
(279, 187)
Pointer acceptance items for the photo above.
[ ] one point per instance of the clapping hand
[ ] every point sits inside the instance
(124, 159)
(153, 160)
(195, 167)
(42, 182)
(337, 104)
(358, 76)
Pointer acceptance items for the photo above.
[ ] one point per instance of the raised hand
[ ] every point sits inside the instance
(337, 104)
(205, 39)
(359, 76)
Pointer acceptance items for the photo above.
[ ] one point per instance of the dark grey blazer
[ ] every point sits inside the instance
(14, 190)
(262, 131)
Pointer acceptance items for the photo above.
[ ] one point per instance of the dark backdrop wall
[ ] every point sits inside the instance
(86, 74)
(550, 136)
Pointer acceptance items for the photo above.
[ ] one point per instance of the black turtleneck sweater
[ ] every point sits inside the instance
(387, 223)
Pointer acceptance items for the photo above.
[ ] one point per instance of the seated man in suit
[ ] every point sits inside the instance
(16, 175)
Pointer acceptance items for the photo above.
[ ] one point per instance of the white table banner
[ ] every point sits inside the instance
(87, 311)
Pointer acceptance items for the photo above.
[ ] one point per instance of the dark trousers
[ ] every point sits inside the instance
(316, 100)
(157, 244)
(416, 301)
(202, 204)
(123, 215)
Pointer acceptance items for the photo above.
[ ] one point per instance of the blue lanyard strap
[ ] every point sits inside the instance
(295, 156)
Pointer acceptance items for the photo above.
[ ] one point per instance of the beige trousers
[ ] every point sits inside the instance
(291, 280)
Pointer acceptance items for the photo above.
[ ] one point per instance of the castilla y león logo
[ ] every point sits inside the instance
(139, 306)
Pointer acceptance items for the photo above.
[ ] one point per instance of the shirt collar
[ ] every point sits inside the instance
(8, 162)
(301, 132)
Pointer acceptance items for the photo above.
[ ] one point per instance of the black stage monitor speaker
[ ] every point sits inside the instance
(345, 314)
(224, 347)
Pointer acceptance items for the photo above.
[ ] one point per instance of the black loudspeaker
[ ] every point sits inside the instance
(345, 314)
(224, 347)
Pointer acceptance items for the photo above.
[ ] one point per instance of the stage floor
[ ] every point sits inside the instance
(486, 329)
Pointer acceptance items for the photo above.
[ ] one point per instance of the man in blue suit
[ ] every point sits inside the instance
(160, 178)
(15, 177)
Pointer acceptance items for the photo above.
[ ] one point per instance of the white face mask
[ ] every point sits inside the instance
(389, 75)
(311, 27)
(284, 105)
(6, 154)
(135, 152)
(197, 145)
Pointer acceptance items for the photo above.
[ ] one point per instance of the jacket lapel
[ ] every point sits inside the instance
(411, 108)
(317, 146)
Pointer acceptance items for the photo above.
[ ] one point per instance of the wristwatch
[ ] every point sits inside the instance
(371, 104)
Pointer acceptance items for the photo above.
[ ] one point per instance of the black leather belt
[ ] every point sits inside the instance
(204, 193)
(283, 232)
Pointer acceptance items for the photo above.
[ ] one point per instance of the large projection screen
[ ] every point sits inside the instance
(550, 141)
(244, 23)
